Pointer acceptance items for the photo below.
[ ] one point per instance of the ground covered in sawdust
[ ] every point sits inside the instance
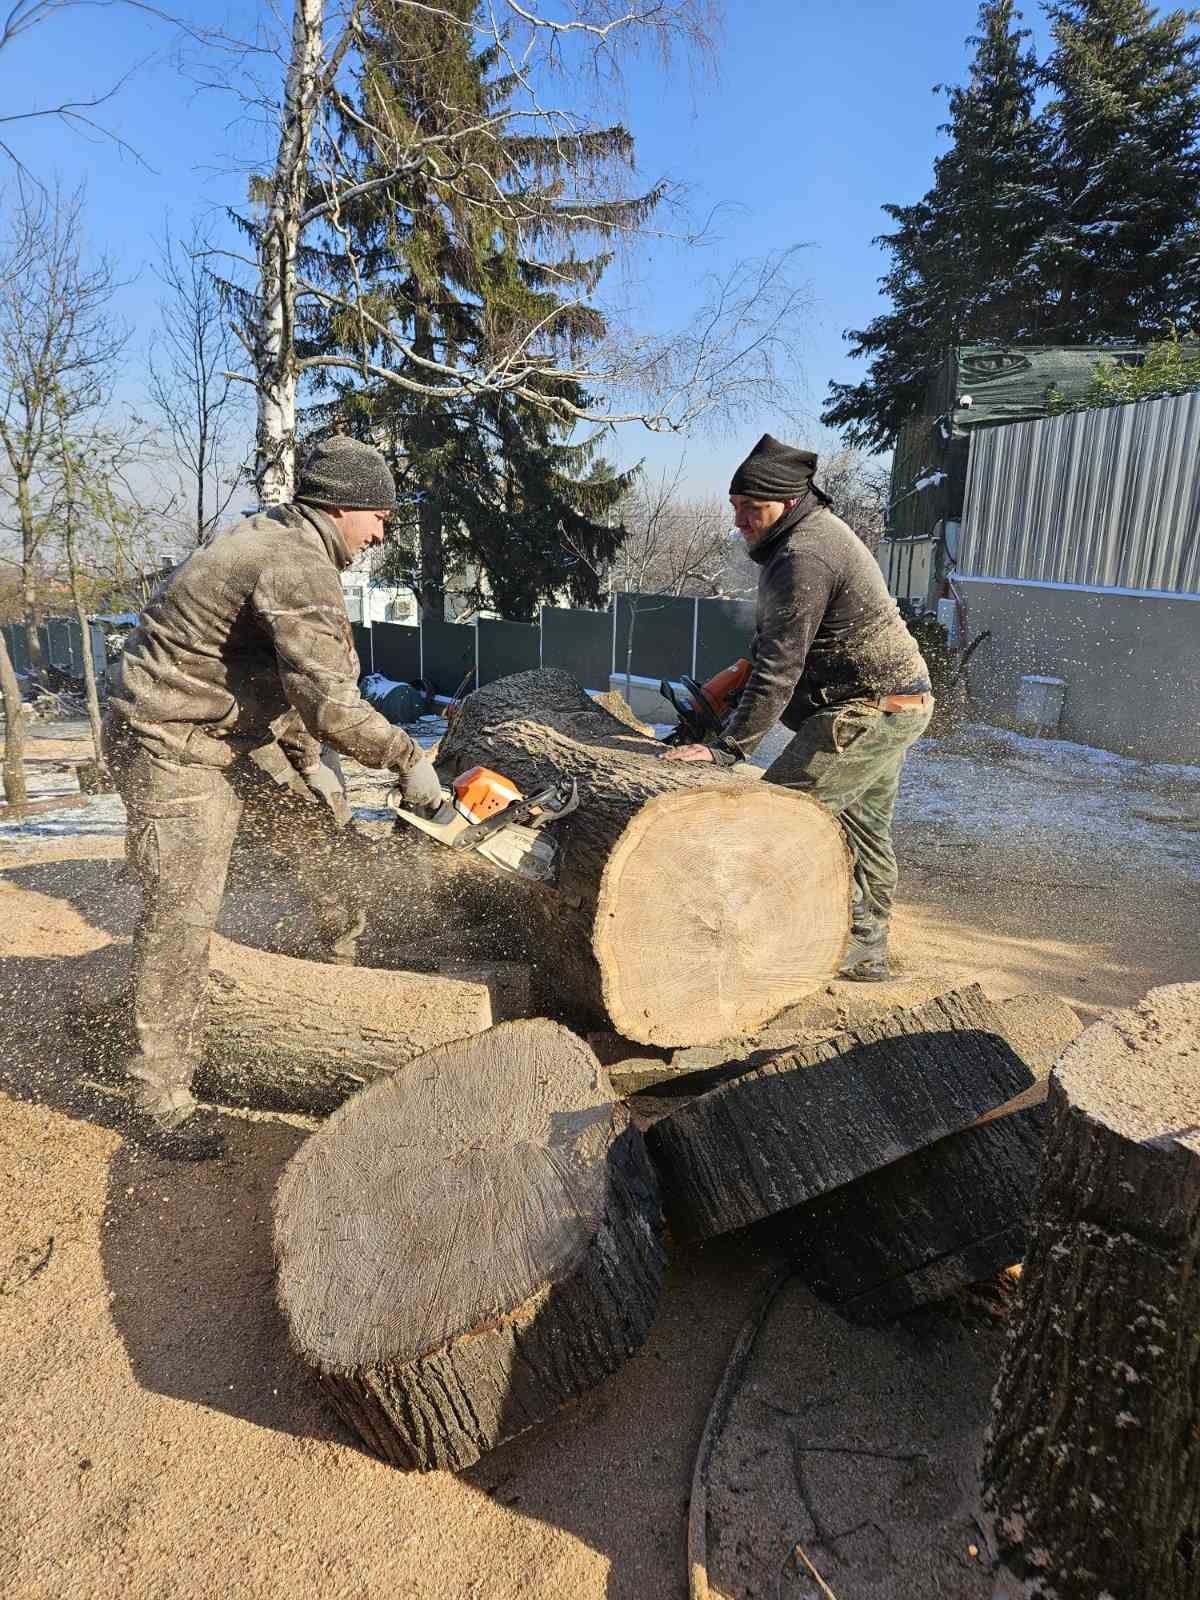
(160, 1441)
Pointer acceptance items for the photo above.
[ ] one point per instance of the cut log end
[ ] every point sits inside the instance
(718, 908)
(467, 1247)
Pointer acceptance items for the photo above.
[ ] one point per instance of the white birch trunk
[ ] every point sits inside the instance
(275, 366)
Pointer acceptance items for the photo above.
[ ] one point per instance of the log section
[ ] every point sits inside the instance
(952, 1213)
(692, 904)
(794, 1124)
(1092, 1468)
(289, 1035)
(467, 1246)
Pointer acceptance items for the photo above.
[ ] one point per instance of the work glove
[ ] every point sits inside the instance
(325, 780)
(421, 786)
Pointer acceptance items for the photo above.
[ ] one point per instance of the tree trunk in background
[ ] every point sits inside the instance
(274, 351)
(15, 791)
(1092, 1465)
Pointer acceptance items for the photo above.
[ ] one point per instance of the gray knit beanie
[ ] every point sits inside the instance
(774, 471)
(344, 472)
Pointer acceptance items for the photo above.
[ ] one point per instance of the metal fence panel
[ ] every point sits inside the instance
(447, 654)
(507, 647)
(58, 646)
(663, 635)
(724, 630)
(18, 648)
(1107, 498)
(579, 642)
(396, 651)
(362, 643)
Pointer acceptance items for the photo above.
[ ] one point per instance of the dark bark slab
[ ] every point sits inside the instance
(467, 1247)
(792, 1125)
(952, 1213)
(1092, 1467)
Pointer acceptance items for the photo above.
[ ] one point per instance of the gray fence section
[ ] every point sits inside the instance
(447, 655)
(724, 629)
(18, 650)
(1107, 498)
(362, 643)
(661, 628)
(507, 647)
(671, 637)
(396, 651)
(578, 642)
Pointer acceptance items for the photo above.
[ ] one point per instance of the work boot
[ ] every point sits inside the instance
(867, 958)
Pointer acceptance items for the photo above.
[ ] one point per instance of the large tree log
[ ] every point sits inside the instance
(952, 1213)
(463, 1249)
(1092, 1468)
(289, 1035)
(692, 904)
(793, 1124)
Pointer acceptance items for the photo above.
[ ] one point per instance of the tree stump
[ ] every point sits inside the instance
(790, 1125)
(289, 1035)
(1092, 1466)
(691, 905)
(467, 1246)
(952, 1213)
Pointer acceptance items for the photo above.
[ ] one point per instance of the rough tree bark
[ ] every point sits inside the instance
(951, 1213)
(467, 1247)
(692, 904)
(792, 1125)
(1092, 1466)
(15, 790)
(272, 346)
(289, 1035)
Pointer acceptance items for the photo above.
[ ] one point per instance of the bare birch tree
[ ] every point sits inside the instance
(191, 390)
(58, 350)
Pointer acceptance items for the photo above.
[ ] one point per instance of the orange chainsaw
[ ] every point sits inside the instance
(703, 707)
(484, 811)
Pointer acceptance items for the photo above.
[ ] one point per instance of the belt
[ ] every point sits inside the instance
(902, 702)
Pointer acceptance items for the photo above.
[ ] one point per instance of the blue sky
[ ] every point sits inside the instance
(815, 116)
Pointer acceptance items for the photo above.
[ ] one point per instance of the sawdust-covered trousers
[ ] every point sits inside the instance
(182, 821)
(850, 757)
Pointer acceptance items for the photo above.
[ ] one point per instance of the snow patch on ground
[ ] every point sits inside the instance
(1072, 805)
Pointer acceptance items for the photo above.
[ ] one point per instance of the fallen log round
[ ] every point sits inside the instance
(466, 1247)
(953, 1212)
(287, 1035)
(779, 1130)
(691, 905)
(1092, 1465)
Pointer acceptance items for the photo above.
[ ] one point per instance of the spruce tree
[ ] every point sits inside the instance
(1122, 255)
(472, 260)
(961, 263)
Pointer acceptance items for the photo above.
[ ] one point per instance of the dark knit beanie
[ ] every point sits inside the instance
(774, 471)
(344, 472)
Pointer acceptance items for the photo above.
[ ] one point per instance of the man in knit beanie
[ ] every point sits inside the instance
(834, 661)
(242, 670)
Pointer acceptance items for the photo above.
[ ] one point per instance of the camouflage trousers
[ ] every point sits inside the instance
(182, 823)
(850, 757)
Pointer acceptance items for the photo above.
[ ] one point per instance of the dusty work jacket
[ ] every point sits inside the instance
(248, 642)
(827, 630)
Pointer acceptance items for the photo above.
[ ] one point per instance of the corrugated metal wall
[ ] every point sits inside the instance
(1108, 497)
